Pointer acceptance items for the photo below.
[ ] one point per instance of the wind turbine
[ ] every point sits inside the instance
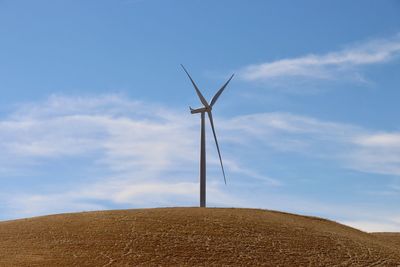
(207, 108)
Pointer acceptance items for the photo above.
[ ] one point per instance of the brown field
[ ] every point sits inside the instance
(191, 237)
(389, 237)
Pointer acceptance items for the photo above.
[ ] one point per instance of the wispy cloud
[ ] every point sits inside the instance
(342, 64)
(380, 140)
(386, 225)
(349, 146)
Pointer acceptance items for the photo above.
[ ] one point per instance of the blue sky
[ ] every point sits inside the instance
(94, 106)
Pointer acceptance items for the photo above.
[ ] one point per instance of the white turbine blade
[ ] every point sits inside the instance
(216, 142)
(214, 99)
(202, 99)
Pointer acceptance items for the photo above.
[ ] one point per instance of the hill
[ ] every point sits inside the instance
(190, 237)
(389, 237)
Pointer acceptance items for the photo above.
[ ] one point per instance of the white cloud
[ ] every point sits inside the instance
(108, 125)
(27, 205)
(347, 145)
(374, 226)
(380, 140)
(127, 143)
(332, 65)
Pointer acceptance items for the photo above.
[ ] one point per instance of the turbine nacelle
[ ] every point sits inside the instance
(200, 110)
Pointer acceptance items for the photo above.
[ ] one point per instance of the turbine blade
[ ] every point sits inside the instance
(214, 99)
(202, 99)
(216, 142)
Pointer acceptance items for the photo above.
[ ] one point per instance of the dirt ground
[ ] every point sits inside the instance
(191, 237)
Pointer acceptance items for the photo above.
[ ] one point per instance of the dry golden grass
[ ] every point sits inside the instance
(389, 237)
(190, 237)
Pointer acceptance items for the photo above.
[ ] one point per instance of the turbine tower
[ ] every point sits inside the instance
(207, 108)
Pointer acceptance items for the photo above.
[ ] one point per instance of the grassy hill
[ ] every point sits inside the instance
(190, 237)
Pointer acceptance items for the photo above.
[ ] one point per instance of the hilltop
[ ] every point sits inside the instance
(191, 237)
